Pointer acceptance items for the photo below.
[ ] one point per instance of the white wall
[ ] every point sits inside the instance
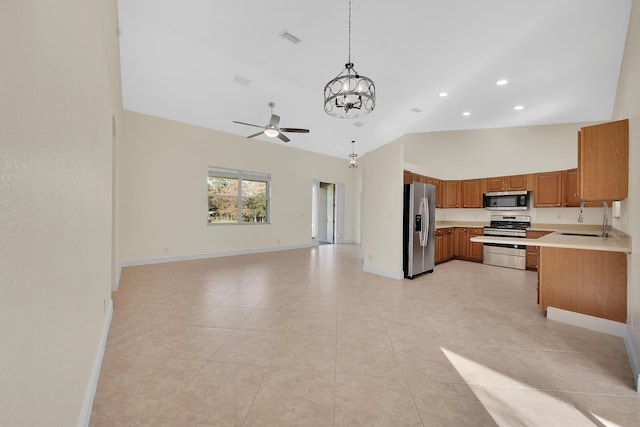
(628, 106)
(163, 191)
(59, 95)
(485, 153)
(382, 211)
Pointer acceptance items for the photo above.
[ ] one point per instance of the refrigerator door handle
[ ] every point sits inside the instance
(424, 232)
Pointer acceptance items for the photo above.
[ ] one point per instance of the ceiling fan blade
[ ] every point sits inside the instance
(248, 124)
(296, 130)
(255, 134)
(275, 119)
(283, 137)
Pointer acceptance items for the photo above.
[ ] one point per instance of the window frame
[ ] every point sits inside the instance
(239, 176)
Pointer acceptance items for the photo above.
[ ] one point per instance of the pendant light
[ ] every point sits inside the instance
(353, 155)
(350, 94)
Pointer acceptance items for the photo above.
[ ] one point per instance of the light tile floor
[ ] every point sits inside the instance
(305, 338)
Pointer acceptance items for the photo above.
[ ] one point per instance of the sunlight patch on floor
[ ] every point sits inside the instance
(513, 403)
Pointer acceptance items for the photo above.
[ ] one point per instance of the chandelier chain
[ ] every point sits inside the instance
(349, 31)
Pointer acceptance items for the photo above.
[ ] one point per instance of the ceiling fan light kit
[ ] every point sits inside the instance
(272, 130)
(350, 94)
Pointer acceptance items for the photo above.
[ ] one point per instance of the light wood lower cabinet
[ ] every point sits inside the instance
(533, 252)
(584, 281)
(476, 249)
(443, 245)
(463, 247)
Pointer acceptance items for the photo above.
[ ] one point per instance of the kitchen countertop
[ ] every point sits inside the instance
(616, 242)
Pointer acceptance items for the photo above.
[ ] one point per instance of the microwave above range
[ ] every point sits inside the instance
(506, 201)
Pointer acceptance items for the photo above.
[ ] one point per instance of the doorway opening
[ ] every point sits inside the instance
(327, 211)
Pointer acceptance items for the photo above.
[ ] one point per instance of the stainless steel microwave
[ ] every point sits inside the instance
(506, 201)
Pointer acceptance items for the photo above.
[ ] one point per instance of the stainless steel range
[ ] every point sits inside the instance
(503, 254)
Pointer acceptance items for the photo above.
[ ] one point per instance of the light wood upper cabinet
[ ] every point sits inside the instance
(439, 193)
(548, 190)
(571, 198)
(507, 183)
(451, 194)
(472, 190)
(517, 182)
(603, 161)
(496, 184)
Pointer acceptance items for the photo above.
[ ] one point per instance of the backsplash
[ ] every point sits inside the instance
(538, 215)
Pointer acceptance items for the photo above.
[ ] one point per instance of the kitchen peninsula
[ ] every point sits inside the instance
(579, 271)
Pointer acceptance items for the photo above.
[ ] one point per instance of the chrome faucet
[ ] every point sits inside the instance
(580, 219)
(605, 228)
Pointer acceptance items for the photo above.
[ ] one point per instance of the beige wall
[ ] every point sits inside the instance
(382, 211)
(59, 95)
(628, 106)
(163, 191)
(483, 153)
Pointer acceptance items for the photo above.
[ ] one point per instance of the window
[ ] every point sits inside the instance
(238, 197)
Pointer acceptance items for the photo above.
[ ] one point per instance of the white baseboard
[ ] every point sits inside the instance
(90, 393)
(633, 357)
(136, 262)
(398, 275)
(588, 322)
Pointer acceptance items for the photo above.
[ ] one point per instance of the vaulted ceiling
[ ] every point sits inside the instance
(208, 63)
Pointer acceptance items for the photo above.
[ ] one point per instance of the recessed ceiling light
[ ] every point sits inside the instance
(466, 113)
(443, 94)
(518, 107)
(502, 82)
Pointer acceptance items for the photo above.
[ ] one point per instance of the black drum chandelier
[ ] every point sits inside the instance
(350, 94)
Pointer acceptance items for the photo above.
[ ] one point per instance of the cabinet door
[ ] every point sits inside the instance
(439, 194)
(548, 190)
(495, 184)
(603, 161)
(437, 258)
(571, 198)
(460, 243)
(517, 182)
(570, 184)
(472, 193)
(476, 249)
(533, 252)
(448, 245)
(451, 194)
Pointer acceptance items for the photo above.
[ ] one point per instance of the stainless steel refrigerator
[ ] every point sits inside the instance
(419, 228)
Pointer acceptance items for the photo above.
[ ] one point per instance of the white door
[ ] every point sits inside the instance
(322, 213)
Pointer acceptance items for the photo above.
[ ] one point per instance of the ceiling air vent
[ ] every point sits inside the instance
(241, 81)
(287, 35)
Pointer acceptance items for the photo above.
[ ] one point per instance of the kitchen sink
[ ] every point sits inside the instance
(581, 234)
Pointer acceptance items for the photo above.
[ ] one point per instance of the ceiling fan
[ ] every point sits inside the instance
(272, 129)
